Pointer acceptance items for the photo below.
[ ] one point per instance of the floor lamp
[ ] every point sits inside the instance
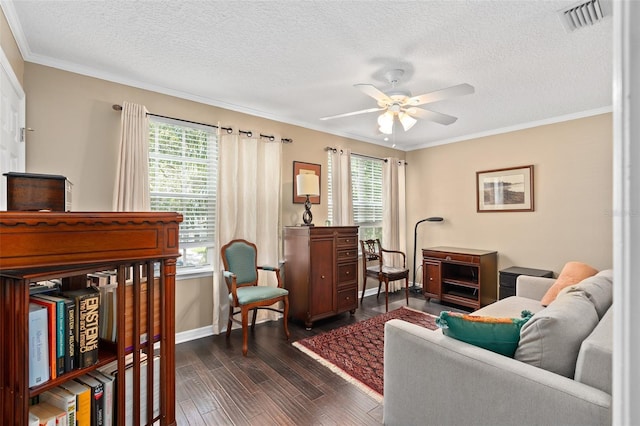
(414, 287)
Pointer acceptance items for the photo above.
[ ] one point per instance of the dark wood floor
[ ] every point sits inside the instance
(275, 384)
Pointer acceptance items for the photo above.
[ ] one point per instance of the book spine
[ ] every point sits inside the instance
(60, 337)
(52, 332)
(64, 400)
(82, 394)
(38, 346)
(88, 329)
(70, 362)
(98, 404)
(108, 398)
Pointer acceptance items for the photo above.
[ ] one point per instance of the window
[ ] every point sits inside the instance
(366, 186)
(182, 175)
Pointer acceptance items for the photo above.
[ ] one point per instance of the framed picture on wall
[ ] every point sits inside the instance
(302, 168)
(505, 190)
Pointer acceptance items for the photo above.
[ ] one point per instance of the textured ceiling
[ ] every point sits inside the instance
(297, 61)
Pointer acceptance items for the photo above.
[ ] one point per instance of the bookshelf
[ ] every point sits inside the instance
(462, 276)
(36, 246)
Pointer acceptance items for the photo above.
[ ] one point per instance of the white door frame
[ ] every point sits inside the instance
(626, 213)
(18, 133)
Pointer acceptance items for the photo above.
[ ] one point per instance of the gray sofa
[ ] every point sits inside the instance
(433, 379)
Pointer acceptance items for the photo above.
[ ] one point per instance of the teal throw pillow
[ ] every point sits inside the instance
(499, 335)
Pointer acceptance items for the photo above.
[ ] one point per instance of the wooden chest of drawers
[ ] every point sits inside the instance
(321, 271)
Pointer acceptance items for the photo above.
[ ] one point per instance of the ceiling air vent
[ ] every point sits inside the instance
(581, 15)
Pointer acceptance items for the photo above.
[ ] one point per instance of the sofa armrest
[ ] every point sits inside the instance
(533, 287)
(431, 378)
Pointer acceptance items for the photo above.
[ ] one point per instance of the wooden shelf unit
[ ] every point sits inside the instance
(465, 277)
(321, 271)
(36, 246)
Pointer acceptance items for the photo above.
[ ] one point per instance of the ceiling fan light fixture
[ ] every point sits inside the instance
(385, 121)
(399, 103)
(407, 121)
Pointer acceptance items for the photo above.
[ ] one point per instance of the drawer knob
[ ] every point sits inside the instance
(430, 279)
(448, 258)
(348, 253)
(322, 276)
(347, 273)
(347, 298)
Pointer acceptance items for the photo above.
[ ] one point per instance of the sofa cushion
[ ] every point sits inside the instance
(572, 273)
(510, 307)
(599, 288)
(593, 367)
(551, 339)
(499, 335)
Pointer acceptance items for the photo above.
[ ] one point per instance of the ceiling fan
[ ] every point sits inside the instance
(399, 103)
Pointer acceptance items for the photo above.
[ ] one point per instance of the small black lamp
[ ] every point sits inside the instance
(307, 184)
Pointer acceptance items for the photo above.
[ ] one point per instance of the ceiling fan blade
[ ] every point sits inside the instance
(348, 114)
(374, 92)
(437, 117)
(438, 95)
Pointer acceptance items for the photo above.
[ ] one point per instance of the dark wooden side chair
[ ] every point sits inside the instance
(372, 252)
(241, 275)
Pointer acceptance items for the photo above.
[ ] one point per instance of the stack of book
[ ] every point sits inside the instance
(88, 400)
(65, 328)
(63, 333)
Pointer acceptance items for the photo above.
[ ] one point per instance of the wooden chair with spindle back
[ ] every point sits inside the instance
(372, 252)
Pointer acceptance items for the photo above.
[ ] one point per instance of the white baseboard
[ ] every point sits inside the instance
(374, 290)
(206, 331)
(196, 333)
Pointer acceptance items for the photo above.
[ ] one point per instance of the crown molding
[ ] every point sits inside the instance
(514, 128)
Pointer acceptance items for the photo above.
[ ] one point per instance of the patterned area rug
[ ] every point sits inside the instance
(355, 351)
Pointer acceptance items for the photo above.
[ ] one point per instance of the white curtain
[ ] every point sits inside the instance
(248, 207)
(341, 187)
(131, 192)
(394, 218)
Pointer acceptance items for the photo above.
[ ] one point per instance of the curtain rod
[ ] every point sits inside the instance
(117, 107)
(330, 148)
(229, 130)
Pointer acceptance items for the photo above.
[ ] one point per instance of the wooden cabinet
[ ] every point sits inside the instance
(37, 246)
(30, 191)
(321, 271)
(466, 277)
(431, 281)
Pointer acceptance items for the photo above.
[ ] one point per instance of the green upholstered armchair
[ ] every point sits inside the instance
(241, 275)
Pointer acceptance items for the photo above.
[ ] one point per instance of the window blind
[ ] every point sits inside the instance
(366, 184)
(183, 177)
